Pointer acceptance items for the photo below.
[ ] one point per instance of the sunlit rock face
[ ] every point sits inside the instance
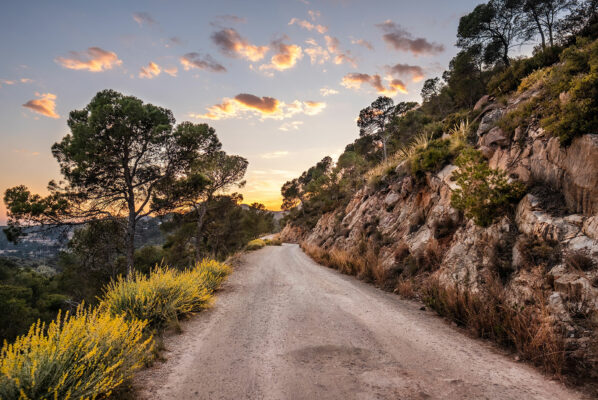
(403, 217)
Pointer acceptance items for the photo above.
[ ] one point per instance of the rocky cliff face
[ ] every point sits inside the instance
(549, 245)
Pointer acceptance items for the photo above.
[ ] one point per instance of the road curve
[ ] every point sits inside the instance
(285, 327)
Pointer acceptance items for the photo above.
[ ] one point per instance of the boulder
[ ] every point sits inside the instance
(489, 120)
(495, 137)
(481, 103)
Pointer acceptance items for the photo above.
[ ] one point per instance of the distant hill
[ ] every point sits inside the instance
(44, 243)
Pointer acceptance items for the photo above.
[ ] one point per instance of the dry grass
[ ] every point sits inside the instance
(457, 136)
(420, 142)
(364, 265)
(579, 261)
(526, 329)
(406, 288)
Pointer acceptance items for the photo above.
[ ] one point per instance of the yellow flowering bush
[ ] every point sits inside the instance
(78, 356)
(91, 352)
(210, 273)
(164, 294)
(255, 244)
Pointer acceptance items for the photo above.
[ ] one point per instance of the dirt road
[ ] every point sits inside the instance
(287, 328)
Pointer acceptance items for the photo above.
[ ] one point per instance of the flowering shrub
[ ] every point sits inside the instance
(165, 294)
(78, 356)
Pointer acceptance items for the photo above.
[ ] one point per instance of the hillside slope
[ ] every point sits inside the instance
(528, 280)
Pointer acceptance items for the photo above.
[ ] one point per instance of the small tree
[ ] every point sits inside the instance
(373, 119)
(542, 17)
(118, 153)
(496, 26)
(484, 193)
(212, 173)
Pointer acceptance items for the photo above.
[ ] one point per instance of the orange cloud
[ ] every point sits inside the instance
(264, 107)
(355, 80)
(45, 105)
(232, 44)
(196, 60)
(364, 43)
(285, 58)
(171, 71)
(340, 57)
(93, 59)
(327, 91)
(13, 82)
(151, 71)
(317, 54)
(313, 107)
(313, 14)
(267, 105)
(308, 25)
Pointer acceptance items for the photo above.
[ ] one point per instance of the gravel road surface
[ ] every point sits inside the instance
(284, 327)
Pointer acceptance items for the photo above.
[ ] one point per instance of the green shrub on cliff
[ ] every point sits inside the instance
(484, 194)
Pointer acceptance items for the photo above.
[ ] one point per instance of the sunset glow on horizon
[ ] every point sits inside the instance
(281, 81)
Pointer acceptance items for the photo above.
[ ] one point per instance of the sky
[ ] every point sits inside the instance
(282, 82)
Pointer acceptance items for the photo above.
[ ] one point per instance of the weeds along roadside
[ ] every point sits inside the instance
(526, 330)
(91, 352)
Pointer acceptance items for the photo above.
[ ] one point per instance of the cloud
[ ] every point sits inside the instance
(364, 43)
(285, 57)
(400, 39)
(93, 59)
(414, 71)
(333, 45)
(232, 44)
(26, 152)
(231, 19)
(151, 71)
(10, 82)
(173, 41)
(325, 91)
(313, 14)
(308, 25)
(245, 104)
(172, 71)
(355, 80)
(317, 54)
(263, 104)
(313, 107)
(320, 55)
(290, 126)
(143, 18)
(274, 154)
(44, 105)
(196, 60)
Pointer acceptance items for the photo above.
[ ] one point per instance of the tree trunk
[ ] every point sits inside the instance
(384, 149)
(201, 213)
(505, 56)
(539, 25)
(550, 37)
(130, 242)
